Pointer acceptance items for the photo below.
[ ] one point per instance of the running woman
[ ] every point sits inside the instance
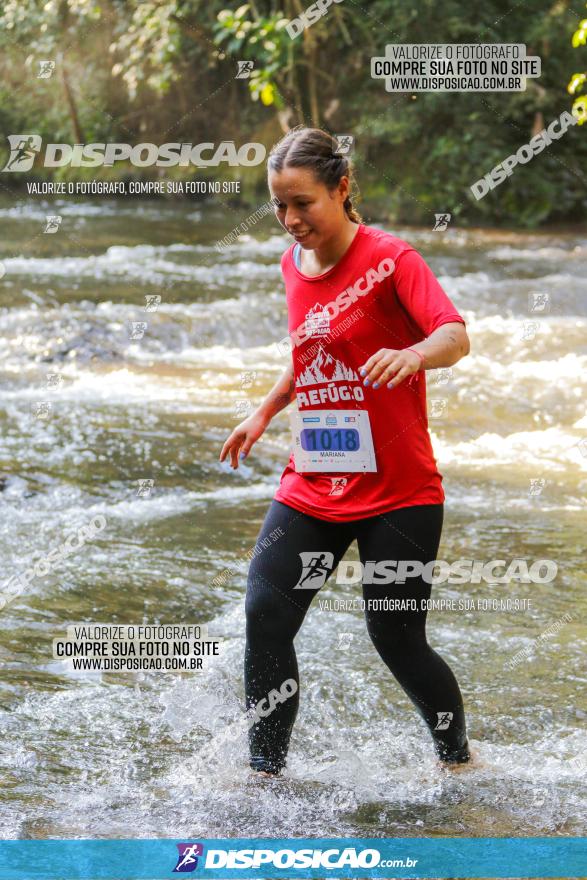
(366, 318)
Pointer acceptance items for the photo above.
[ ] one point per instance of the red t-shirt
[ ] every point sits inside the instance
(382, 294)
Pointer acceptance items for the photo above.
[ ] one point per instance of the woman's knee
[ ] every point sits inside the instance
(267, 617)
(397, 641)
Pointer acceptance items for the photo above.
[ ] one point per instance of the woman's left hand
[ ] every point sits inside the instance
(389, 366)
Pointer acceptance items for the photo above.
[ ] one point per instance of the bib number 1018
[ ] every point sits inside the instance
(326, 439)
(332, 441)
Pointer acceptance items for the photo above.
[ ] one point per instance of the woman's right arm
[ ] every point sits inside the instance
(248, 432)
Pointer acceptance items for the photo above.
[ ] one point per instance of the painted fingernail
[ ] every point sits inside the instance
(366, 382)
(375, 384)
(243, 455)
(390, 384)
(362, 372)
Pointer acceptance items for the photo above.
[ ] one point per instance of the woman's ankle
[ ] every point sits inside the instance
(451, 755)
(266, 766)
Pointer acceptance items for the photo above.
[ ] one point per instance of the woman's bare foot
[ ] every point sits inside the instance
(255, 773)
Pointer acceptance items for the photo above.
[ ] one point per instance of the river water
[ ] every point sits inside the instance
(87, 413)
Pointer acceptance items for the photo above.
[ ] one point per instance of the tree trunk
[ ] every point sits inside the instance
(312, 90)
(70, 98)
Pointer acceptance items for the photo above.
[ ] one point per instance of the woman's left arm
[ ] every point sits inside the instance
(444, 347)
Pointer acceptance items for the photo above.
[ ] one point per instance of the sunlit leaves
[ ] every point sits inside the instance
(580, 109)
(259, 39)
(148, 48)
(580, 36)
(578, 80)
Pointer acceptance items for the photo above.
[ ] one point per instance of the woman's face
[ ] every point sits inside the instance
(306, 208)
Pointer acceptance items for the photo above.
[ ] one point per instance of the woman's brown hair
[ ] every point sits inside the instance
(316, 149)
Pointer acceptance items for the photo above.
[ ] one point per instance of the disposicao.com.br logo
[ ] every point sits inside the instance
(327, 858)
(24, 149)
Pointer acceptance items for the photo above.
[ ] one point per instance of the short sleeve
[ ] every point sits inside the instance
(420, 293)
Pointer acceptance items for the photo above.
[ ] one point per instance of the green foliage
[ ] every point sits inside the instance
(262, 40)
(578, 80)
(161, 70)
(149, 48)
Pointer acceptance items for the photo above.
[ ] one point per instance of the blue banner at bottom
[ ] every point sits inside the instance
(337, 858)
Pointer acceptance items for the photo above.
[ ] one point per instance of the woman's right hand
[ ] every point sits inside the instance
(242, 438)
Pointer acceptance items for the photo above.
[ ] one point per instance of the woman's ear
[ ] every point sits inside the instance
(343, 188)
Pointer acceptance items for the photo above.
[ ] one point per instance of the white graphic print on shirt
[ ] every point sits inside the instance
(328, 371)
(317, 321)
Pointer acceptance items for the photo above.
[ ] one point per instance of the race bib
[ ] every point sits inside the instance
(330, 440)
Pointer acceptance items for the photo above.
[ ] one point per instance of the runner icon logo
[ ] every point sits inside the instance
(344, 641)
(444, 719)
(338, 485)
(23, 149)
(187, 860)
(316, 567)
(344, 144)
(441, 222)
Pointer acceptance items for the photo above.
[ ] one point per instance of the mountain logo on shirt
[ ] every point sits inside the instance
(317, 321)
(326, 368)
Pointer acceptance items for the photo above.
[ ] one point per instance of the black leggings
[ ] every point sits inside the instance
(275, 611)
